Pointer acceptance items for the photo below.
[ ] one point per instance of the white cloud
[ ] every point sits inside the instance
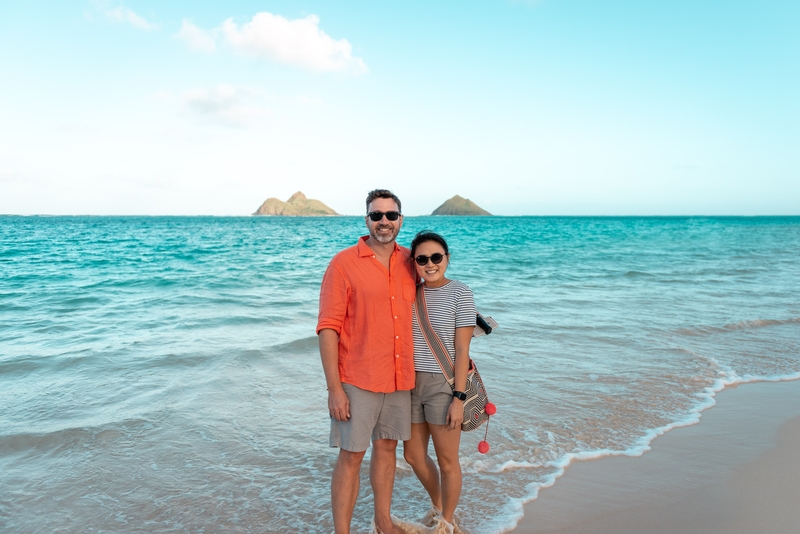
(298, 42)
(124, 14)
(225, 104)
(7, 175)
(197, 38)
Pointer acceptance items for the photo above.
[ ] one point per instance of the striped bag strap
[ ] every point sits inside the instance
(434, 343)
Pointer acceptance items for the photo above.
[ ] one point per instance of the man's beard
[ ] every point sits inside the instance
(381, 238)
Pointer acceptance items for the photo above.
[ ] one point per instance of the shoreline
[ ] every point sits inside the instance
(732, 472)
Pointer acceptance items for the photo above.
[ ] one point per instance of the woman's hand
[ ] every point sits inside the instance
(456, 410)
(455, 414)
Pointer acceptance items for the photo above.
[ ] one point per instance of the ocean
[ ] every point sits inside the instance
(161, 374)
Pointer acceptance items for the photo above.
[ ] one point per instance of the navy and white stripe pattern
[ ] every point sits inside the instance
(449, 307)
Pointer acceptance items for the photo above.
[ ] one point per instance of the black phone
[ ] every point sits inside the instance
(480, 321)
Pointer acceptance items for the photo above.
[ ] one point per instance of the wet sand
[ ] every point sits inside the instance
(735, 472)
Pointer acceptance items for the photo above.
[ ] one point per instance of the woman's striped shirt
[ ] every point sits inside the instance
(450, 306)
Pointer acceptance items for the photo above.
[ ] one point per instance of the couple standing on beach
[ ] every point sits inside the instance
(384, 384)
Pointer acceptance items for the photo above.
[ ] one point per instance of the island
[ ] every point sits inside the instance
(459, 206)
(297, 205)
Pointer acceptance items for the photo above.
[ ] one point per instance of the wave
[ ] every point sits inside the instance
(38, 442)
(637, 274)
(732, 327)
(305, 344)
(234, 320)
(760, 323)
(93, 361)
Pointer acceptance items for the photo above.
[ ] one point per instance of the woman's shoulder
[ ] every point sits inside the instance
(451, 288)
(459, 287)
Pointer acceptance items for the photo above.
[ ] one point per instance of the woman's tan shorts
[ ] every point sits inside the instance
(430, 399)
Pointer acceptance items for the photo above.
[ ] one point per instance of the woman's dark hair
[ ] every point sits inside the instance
(424, 236)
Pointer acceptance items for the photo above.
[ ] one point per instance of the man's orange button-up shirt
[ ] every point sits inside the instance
(370, 308)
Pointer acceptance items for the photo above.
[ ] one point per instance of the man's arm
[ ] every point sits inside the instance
(338, 403)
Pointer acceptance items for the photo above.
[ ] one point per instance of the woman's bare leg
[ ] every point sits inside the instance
(415, 451)
(446, 442)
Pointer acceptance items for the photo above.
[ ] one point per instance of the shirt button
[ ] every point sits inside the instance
(395, 317)
(392, 297)
(397, 337)
(397, 356)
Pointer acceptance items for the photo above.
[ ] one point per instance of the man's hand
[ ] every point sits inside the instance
(339, 405)
(455, 414)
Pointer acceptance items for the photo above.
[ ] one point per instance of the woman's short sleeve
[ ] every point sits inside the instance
(465, 308)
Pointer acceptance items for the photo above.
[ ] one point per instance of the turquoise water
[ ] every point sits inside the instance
(161, 373)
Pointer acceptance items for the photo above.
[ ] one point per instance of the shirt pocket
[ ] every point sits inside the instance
(409, 291)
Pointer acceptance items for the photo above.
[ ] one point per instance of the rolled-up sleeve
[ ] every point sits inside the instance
(333, 298)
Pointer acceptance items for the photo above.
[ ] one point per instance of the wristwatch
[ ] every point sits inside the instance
(460, 395)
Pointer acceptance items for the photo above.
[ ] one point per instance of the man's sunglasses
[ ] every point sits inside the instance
(435, 258)
(376, 216)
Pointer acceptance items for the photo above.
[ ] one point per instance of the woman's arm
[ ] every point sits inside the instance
(455, 414)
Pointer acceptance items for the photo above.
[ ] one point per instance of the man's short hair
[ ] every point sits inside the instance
(383, 193)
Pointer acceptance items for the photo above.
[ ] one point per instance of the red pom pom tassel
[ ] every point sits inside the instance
(490, 408)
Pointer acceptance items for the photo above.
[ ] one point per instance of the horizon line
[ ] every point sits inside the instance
(404, 215)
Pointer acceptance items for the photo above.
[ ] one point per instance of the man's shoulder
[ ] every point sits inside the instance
(404, 251)
(346, 254)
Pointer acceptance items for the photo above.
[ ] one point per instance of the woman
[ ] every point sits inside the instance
(437, 409)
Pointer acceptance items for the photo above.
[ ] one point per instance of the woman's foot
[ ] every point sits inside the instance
(431, 517)
(412, 527)
(443, 527)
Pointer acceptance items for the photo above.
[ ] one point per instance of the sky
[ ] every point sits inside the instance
(549, 107)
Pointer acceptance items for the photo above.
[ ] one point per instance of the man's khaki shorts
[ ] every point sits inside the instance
(430, 399)
(372, 416)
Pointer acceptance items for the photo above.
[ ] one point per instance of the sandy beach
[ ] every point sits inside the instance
(734, 472)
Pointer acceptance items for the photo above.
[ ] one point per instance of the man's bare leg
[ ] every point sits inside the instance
(381, 475)
(344, 489)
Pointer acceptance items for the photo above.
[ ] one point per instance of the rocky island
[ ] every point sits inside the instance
(459, 206)
(297, 205)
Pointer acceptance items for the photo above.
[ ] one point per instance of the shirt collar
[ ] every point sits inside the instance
(363, 249)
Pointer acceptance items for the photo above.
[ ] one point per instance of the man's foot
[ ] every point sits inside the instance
(388, 529)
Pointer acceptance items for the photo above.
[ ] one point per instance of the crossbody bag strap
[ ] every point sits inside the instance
(432, 339)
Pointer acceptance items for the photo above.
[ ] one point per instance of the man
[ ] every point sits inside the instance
(367, 352)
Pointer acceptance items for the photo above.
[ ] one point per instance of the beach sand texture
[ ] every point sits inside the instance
(735, 472)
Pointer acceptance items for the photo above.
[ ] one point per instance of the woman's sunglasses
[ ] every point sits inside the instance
(435, 258)
(376, 216)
